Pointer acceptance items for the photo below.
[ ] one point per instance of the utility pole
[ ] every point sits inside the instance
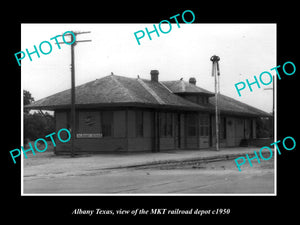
(215, 68)
(273, 106)
(73, 114)
(272, 88)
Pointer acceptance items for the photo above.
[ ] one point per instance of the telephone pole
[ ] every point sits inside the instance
(273, 105)
(273, 90)
(73, 114)
(215, 68)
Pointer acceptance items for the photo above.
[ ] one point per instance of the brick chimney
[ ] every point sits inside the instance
(154, 75)
(192, 80)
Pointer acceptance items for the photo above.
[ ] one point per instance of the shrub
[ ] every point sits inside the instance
(37, 125)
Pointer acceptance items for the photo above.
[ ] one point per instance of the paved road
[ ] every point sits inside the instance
(205, 178)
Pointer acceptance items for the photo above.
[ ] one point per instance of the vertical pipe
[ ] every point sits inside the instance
(216, 112)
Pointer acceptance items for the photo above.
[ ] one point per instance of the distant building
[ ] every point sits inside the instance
(117, 113)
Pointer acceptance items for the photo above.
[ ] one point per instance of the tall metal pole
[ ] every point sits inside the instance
(217, 111)
(215, 68)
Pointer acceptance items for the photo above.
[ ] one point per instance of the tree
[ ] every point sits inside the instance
(264, 127)
(27, 99)
(36, 124)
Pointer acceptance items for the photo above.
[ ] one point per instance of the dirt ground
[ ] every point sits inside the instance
(46, 173)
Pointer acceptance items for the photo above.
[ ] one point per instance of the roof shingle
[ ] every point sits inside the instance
(116, 90)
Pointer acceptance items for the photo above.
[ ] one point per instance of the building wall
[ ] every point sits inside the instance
(237, 128)
(253, 128)
(204, 130)
(126, 137)
(182, 131)
(124, 132)
(230, 129)
(199, 138)
(119, 124)
(191, 130)
(167, 140)
(239, 131)
(116, 142)
(136, 143)
(222, 141)
(60, 120)
(144, 143)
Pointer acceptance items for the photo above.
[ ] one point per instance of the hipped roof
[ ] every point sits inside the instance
(226, 104)
(231, 106)
(116, 90)
(119, 91)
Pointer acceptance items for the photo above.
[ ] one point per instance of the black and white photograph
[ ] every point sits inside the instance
(162, 116)
(146, 111)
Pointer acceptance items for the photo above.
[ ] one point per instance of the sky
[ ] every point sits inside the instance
(245, 50)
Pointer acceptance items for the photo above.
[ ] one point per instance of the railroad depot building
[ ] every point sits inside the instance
(117, 113)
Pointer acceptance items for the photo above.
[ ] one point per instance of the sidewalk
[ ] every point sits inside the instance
(48, 164)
